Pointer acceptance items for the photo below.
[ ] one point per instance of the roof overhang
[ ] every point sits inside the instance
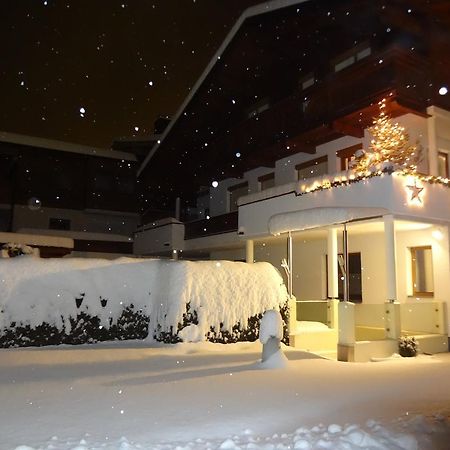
(309, 219)
(249, 12)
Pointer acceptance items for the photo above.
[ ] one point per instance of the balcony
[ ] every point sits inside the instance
(342, 103)
(224, 223)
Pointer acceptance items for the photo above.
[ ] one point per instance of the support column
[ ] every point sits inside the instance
(389, 247)
(249, 251)
(289, 252)
(432, 146)
(332, 263)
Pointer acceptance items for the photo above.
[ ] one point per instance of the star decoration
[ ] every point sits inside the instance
(415, 192)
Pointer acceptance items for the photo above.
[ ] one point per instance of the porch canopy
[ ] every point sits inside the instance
(308, 219)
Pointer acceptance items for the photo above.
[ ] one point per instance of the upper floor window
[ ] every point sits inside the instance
(351, 57)
(443, 169)
(313, 168)
(55, 223)
(306, 81)
(266, 181)
(346, 155)
(258, 108)
(235, 192)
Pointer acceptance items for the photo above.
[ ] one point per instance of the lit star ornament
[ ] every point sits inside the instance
(415, 192)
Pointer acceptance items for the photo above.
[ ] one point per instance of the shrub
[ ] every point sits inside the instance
(407, 346)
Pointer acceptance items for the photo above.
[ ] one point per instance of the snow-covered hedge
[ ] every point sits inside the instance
(50, 301)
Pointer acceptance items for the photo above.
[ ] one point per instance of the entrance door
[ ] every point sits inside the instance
(355, 280)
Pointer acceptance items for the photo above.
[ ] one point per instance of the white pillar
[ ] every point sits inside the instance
(389, 247)
(432, 146)
(290, 275)
(332, 263)
(249, 251)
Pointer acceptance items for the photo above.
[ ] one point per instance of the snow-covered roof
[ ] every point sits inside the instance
(256, 10)
(62, 146)
(320, 217)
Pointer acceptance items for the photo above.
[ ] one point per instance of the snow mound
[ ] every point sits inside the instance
(271, 326)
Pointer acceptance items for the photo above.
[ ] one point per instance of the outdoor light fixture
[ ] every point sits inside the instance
(437, 234)
(443, 90)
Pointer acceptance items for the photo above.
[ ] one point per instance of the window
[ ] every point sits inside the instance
(306, 81)
(352, 56)
(266, 181)
(58, 224)
(443, 170)
(422, 271)
(313, 168)
(258, 108)
(346, 155)
(235, 192)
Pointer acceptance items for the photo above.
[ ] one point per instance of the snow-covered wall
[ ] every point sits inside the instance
(221, 293)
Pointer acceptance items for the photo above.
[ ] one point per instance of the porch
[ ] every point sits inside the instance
(373, 331)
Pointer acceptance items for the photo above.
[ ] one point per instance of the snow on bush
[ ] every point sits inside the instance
(208, 299)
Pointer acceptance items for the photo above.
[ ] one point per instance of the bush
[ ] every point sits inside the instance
(132, 324)
(407, 346)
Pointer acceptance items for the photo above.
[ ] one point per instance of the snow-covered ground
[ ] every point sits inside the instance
(129, 396)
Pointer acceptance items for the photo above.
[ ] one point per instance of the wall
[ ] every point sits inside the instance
(96, 222)
(285, 171)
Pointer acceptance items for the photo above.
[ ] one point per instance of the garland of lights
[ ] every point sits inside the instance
(389, 154)
(357, 178)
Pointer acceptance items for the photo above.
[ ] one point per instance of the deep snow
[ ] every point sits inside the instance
(129, 396)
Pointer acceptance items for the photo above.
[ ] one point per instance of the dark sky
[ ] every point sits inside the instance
(125, 62)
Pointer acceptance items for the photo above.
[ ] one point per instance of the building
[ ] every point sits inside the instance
(66, 198)
(255, 166)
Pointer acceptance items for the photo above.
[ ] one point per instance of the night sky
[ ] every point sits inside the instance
(90, 71)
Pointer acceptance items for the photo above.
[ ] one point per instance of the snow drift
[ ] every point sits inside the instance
(185, 299)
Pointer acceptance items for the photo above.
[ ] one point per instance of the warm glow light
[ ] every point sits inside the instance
(415, 191)
(437, 234)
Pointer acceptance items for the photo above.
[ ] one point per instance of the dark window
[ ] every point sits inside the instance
(58, 224)
(266, 181)
(235, 192)
(346, 154)
(443, 164)
(313, 168)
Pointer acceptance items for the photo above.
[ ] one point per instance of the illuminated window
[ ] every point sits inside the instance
(422, 271)
(235, 192)
(443, 170)
(266, 181)
(313, 168)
